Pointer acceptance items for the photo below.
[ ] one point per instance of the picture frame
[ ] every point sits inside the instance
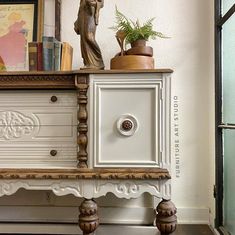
(21, 23)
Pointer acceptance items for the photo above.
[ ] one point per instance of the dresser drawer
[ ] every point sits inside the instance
(38, 98)
(38, 157)
(38, 116)
(35, 123)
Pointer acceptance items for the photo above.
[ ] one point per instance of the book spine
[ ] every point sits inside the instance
(67, 57)
(33, 56)
(40, 57)
(48, 54)
(57, 55)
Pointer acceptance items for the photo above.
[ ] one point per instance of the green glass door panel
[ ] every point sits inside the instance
(229, 180)
(226, 5)
(228, 70)
(228, 117)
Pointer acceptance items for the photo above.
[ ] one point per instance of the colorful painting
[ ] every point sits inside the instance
(17, 28)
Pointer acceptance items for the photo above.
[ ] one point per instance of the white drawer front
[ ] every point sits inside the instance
(38, 157)
(38, 98)
(31, 125)
(117, 100)
(37, 125)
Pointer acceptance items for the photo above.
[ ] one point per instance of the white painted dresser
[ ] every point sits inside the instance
(87, 134)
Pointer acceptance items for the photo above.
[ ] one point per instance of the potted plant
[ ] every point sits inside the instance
(135, 33)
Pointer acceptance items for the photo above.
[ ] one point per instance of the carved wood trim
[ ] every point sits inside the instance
(104, 174)
(124, 71)
(81, 83)
(37, 81)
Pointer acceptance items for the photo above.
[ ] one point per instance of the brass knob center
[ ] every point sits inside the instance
(127, 125)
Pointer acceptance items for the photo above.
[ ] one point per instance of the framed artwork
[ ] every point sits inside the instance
(21, 22)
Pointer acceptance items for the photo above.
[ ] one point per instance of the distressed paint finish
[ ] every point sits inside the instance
(124, 178)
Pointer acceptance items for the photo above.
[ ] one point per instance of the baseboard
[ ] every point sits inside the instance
(108, 215)
(32, 228)
(50, 214)
(222, 230)
(193, 215)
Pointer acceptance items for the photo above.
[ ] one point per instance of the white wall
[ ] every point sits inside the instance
(189, 53)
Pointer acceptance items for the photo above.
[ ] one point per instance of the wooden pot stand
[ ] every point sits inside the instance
(139, 56)
(132, 62)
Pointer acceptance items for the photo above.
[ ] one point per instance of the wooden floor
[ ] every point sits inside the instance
(148, 230)
(127, 230)
(193, 230)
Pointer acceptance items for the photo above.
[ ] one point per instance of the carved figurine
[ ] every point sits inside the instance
(85, 26)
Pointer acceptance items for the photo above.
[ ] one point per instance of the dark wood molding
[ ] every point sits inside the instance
(37, 81)
(120, 71)
(104, 174)
(90, 71)
(81, 83)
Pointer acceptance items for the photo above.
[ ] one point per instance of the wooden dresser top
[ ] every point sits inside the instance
(59, 80)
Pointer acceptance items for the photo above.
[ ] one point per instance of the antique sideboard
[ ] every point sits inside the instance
(88, 133)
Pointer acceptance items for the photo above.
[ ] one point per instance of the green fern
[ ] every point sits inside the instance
(134, 30)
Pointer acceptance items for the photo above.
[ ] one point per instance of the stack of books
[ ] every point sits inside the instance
(50, 55)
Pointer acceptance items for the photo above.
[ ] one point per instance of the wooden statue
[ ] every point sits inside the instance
(85, 26)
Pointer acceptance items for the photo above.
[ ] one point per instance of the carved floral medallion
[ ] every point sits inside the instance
(15, 125)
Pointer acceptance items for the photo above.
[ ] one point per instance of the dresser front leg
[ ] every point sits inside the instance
(88, 218)
(166, 220)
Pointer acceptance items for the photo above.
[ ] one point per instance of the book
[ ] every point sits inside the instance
(40, 56)
(48, 53)
(35, 56)
(33, 60)
(57, 58)
(67, 57)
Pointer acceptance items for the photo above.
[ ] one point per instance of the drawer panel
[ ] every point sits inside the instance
(128, 123)
(33, 123)
(38, 98)
(38, 157)
(34, 126)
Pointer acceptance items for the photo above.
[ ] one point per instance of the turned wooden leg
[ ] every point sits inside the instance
(88, 218)
(166, 220)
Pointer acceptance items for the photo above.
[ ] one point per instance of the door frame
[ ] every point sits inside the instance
(219, 126)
